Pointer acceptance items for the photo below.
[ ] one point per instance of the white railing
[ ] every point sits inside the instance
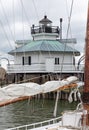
(38, 124)
(42, 68)
(25, 68)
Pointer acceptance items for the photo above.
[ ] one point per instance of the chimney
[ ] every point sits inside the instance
(61, 28)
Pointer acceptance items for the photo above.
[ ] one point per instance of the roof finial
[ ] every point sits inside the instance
(45, 16)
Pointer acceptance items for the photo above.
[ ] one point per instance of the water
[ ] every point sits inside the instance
(26, 112)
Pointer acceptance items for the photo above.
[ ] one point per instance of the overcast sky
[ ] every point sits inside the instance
(17, 16)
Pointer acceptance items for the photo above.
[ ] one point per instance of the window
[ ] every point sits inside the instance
(29, 60)
(26, 60)
(56, 61)
(22, 60)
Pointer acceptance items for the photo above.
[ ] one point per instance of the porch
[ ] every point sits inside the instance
(44, 68)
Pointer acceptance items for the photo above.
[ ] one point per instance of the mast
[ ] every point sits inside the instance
(86, 73)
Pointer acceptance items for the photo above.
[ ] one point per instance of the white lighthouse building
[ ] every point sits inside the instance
(47, 54)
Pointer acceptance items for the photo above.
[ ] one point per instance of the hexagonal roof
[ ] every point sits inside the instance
(45, 46)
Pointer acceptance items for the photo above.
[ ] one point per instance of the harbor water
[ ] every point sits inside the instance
(30, 111)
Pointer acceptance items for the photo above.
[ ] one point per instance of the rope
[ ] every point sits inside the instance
(70, 18)
(35, 10)
(6, 18)
(36, 77)
(70, 15)
(55, 109)
(76, 94)
(5, 34)
(21, 1)
(69, 26)
(56, 104)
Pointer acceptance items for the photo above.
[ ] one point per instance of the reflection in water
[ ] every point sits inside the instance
(26, 112)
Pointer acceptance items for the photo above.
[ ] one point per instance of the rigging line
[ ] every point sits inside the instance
(25, 12)
(22, 21)
(49, 55)
(67, 8)
(48, 48)
(69, 22)
(35, 10)
(5, 34)
(13, 18)
(13, 10)
(67, 34)
(23, 35)
(26, 80)
(70, 17)
(6, 19)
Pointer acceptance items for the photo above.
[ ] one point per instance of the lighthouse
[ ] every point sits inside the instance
(44, 57)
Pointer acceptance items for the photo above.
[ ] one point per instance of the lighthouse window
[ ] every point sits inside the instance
(56, 61)
(26, 60)
(29, 60)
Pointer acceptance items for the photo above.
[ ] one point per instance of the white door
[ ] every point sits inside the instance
(50, 64)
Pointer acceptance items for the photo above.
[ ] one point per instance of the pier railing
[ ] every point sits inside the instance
(37, 125)
(66, 68)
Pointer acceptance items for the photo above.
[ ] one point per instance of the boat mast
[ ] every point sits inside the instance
(86, 73)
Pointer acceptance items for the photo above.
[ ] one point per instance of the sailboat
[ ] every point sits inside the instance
(70, 120)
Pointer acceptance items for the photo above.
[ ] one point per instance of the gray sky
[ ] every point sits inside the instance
(17, 16)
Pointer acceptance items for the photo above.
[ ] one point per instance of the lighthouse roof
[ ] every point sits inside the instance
(45, 20)
(45, 46)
